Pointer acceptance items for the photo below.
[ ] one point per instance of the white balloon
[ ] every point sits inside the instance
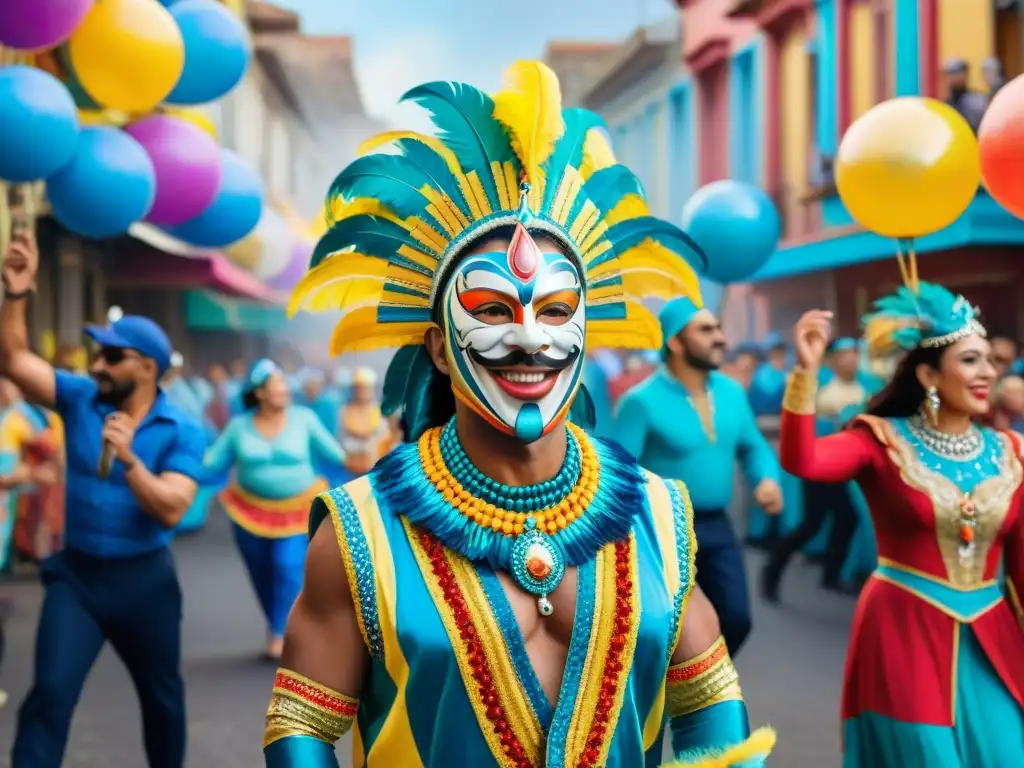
(276, 240)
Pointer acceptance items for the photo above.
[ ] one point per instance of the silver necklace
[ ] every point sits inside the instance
(965, 447)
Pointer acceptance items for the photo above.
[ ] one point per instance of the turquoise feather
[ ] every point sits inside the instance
(568, 151)
(629, 234)
(435, 168)
(396, 378)
(421, 394)
(582, 411)
(607, 187)
(464, 117)
(608, 310)
(933, 310)
(393, 180)
(372, 236)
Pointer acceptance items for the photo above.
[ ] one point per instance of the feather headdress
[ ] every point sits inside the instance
(929, 316)
(400, 216)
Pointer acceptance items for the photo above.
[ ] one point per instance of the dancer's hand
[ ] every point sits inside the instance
(20, 264)
(810, 338)
(119, 431)
(768, 496)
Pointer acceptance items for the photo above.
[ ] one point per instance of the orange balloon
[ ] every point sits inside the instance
(1001, 141)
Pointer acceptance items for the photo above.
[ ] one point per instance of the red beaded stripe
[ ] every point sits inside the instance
(477, 658)
(315, 696)
(613, 665)
(681, 674)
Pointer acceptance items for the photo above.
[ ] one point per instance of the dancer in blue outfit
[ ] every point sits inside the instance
(272, 447)
(690, 422)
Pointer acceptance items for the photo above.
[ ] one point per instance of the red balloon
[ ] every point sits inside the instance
(1001, 142)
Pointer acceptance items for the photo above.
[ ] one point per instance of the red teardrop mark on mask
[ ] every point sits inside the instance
(523, 254)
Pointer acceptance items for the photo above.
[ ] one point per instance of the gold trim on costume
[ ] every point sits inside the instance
(301, 707)
(698, 683)
(992, 498)
(801, 392)
(961, 617)
(1015, 604)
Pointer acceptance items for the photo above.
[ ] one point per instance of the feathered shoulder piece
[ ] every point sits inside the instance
(401, 214)
(930, 316)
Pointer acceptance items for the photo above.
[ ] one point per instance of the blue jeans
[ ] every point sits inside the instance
(275, 570)
(133, 602)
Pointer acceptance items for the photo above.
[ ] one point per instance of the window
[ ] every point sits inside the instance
(713, 84)
(744, 122)
(1009, 38)
(682, 173)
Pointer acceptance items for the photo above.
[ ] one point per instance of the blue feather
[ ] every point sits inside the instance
(464, 117)
(393, 180)
(933, 310)
(568, 151)
(434, 166)
(629, 234)
(396, 378)
(608, 186)
(582, 411)
(373, 236)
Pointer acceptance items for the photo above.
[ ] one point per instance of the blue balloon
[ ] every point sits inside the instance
(38, 124)
(235, 211)
(217, 51)
(736, 225)
(109, 184)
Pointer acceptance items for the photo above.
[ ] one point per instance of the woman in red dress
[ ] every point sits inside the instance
(935, 669)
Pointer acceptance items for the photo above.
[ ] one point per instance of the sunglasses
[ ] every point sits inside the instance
(113, 355)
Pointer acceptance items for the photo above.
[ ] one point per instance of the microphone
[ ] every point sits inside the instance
(106, 461)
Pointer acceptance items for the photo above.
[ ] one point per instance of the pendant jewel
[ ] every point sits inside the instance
(967, 525)
(537, 565)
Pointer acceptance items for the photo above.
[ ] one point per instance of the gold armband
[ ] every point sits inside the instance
(300, 707)
(698, 683)
(801, 392)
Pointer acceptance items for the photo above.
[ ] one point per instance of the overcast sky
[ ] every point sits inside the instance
(401, 43)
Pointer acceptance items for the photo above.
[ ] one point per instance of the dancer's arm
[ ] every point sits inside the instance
(833, 459)
(221, 456)
(325, 661)
(630, 426)
(321, 440)
(704, 703)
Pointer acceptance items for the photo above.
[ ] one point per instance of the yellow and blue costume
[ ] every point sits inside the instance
(425, 534)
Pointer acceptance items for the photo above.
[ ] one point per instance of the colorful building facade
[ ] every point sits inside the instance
(776, 84)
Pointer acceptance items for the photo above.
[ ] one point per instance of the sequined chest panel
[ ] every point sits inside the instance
(972, 493)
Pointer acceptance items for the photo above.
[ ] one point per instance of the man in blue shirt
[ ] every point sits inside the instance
(132, 463)
(690, 422)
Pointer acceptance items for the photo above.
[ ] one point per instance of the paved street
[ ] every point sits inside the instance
(791, 671)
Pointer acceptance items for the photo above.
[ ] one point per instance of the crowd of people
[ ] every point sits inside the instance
(522, 555)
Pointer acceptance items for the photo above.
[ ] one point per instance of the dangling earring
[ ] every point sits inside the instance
(931, 405)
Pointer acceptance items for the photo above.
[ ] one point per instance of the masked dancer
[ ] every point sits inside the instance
(503, 590)
(712, 426)
(934, 674)
(272, 447)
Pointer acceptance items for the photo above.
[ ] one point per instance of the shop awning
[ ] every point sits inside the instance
(169, 263)
(209, 311)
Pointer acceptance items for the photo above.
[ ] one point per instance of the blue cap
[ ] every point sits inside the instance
(138, 333)
(261, 370)
(773, 340)
(844, 344)
(676, 315)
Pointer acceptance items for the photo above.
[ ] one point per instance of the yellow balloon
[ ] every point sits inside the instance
(127, 54)
(197, 117)
(103, 117)
(908, 167)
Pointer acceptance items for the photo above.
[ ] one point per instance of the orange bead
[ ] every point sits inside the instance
(507, 528)
(552, 527)
(967, 533)
(496, 523)
(485, 520)
(518, 528)
(561, 521)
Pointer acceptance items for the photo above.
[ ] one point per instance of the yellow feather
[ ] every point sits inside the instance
(638, 330)
(758, 745)
(637, 266)
(339, 209)
(629, 207)
(359, 331)
(531, 108)
(597, 154)
(321, 288)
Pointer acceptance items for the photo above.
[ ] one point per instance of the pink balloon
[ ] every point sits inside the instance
(187, 163)
(35, 25)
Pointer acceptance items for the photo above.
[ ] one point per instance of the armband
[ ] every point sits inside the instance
(698, 683)
(801, 392)
(300, 707)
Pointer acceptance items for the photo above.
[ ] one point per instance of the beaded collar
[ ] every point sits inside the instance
(533, 532)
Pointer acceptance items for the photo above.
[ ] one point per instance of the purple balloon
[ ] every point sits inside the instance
(287, 279)
(188, 169)
(35, 25)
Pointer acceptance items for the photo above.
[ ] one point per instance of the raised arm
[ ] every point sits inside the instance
(833, 459)
(221, 456)
(168, 490)
(323, 667)
(707, 715)
(33, 375)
